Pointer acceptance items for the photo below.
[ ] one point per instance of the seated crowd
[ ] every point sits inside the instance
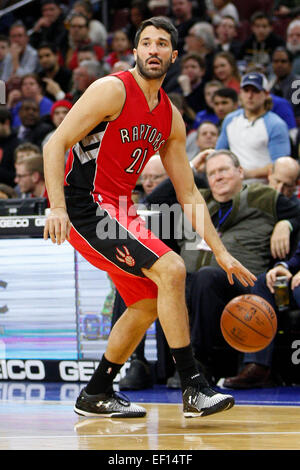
(236, 83)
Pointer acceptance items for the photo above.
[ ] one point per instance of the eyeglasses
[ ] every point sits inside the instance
(151, 177)
(23, 176)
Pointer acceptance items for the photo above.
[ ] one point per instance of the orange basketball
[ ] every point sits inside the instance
(248, 323)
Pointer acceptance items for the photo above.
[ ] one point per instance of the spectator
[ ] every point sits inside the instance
(254, 133)
(22, 57)
(226, 70)
(30, 176)
(50, 27)
(206, 138)
(186, 112)
(256, 368)
(31, 88)
(87, 53)
(226, 34)
(138, 12)
(280, 106)
(56, 78)
(208, 114)
(284, 176)
(7, 192)
(153, 174)
(259, 47)
(97, 30)
(284, 8)
(121, 49)
(26, 149)
(59, 111)
(223, 8)
(78, 36)
(293, 43)
(282, 84)
(8, 144)
(31, 128)
(4, 47)
(83, 76)
(245, 216)
(201, 39)
(191, 80)
(120, 66)
(224, 102)
(183, 18)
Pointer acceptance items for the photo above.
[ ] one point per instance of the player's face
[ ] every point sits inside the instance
(154, 53)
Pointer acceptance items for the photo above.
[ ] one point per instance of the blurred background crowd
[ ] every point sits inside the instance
(236, 83)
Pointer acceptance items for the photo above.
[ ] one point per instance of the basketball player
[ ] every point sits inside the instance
(113, 130)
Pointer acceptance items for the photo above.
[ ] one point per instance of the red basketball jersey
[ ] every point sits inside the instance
(110, 159)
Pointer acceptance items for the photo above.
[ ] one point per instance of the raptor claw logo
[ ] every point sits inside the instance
(125, 257)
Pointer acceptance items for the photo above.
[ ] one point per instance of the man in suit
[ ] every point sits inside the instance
(31, 129)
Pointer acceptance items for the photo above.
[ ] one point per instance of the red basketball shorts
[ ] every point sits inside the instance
(116, 241)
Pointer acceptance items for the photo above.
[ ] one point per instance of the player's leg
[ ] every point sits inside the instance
(98, 398)
(199, 399)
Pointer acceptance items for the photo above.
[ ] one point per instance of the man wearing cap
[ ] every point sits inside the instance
(254, 133)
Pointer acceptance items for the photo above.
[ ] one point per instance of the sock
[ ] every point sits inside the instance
(103, 377)
(186, 367)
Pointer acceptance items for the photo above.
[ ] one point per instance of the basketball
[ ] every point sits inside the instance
(248, 323)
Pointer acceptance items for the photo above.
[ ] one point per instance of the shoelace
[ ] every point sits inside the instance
(121, 398)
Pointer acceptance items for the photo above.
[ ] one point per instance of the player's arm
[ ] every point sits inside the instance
(103, 100)
(177, 166)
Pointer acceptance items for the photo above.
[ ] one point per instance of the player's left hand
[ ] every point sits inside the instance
(234, 268)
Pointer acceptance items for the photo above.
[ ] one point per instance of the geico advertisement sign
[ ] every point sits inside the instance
(14, 223)
(17, 369)
(67, 371)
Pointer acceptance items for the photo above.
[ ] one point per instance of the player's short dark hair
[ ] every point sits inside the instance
(226, 93)
(159, 22)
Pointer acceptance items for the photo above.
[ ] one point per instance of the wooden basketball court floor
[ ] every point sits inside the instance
(39, 416)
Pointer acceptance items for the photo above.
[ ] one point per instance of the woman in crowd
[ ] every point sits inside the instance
(226, 70)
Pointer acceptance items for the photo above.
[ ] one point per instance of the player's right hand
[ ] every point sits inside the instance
(57, 226)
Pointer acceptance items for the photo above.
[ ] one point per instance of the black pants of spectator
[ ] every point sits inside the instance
(165, 364)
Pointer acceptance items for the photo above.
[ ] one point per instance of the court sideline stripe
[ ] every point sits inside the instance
(252, 433)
